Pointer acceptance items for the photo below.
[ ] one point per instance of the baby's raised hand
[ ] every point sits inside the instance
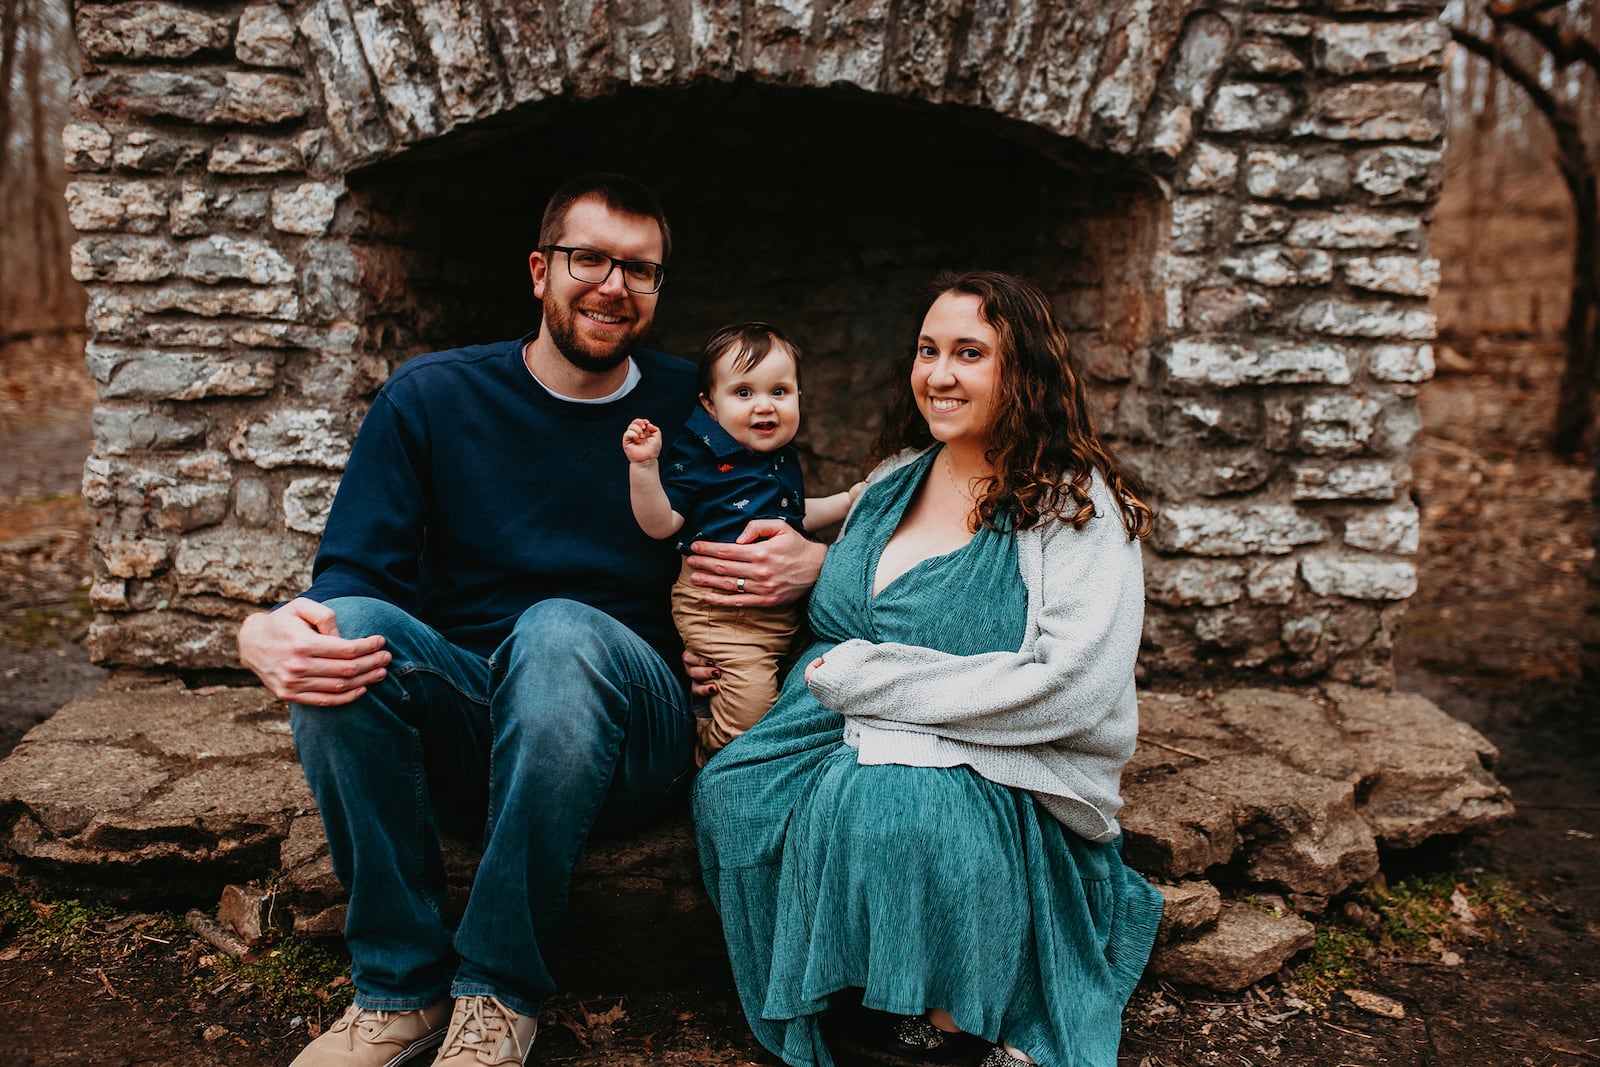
(641, 441)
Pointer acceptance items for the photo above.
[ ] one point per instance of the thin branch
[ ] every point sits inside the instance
(1564, 46)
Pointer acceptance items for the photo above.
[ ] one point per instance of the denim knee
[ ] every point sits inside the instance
(363, 616)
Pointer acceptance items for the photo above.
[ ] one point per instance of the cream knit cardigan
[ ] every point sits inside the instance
(1058, 717)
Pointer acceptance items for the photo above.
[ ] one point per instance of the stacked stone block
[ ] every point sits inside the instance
(1273, 325)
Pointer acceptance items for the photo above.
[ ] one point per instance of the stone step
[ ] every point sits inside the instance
(148, 793)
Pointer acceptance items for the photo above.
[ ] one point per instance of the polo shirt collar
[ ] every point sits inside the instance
(720, 441)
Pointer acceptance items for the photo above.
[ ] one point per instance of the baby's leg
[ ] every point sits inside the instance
(747, 654)
(746, 644)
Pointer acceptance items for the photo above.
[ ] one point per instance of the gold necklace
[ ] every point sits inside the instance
(950, 473)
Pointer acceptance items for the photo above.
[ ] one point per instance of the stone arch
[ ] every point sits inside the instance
(1112, 76)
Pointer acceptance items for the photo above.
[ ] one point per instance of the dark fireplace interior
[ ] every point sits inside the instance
(825, 212)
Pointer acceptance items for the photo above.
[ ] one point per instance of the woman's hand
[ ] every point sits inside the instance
(771, 563)
(702, 673)
(811, 668)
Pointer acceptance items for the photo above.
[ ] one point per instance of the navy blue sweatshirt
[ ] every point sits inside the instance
(472, 493)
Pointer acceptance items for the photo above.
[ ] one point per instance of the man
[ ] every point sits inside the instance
(486, 643)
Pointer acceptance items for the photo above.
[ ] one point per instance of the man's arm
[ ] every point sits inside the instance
(299, 656)
(778, 565)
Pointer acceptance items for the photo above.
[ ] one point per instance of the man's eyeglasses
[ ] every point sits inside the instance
(587, 265)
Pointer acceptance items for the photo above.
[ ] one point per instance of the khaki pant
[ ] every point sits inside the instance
(746, 644)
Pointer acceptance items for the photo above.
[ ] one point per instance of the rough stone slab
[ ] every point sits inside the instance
(349, 96)
(1396, 529)
(149, 31)
(1246, 945)
(65, 786)
(86, 147)
(1251, 108)
(256, 567)
(1345, 48)
(1174, 829)
(1400, 275)
(1400, 111)
(112, 308)
(1236, 530)
(1186, 908)
(249, 154)
(1360, 577)
(306, 209)
(133, 206)
(266, 37)
(123, 259)
(1299, 831)
(156, 374)
(165, 639)
(1279, 266)
(1350, 481)
(306, 503)
(1356, 230)
(1267, 57)
(1182, 582)
(1273, 174)
(1187, 83)
(1397, 174)
(287, 438)
(119, 431)
(1428, 773)
(206, 97)
(1264, 363)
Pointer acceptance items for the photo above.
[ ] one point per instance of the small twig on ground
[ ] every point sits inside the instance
(107, 983)
(1342, 1030)
(1569, 1051)
(1174, 748)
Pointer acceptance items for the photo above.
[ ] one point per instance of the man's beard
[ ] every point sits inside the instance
(559, 320)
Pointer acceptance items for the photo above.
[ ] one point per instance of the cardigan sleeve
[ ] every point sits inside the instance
(1069, 684)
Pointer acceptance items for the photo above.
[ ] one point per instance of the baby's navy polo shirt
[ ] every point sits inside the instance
(718, 485)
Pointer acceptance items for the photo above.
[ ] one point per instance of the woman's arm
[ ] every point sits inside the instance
(1070, 685)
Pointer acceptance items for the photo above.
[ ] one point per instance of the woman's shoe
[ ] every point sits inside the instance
(878, 1039)
(999, 1057)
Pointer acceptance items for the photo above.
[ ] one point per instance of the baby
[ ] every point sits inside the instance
(734, 462)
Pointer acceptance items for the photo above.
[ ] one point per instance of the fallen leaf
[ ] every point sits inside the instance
(1376, 1003)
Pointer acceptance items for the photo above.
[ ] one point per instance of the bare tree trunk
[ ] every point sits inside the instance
(1574, 405)
(10, 12)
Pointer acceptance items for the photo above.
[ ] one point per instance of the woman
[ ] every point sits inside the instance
(928, 814)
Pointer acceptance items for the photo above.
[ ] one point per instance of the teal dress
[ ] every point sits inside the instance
(923, 887)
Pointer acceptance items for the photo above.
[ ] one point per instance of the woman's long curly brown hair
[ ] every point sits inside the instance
(1042, 444)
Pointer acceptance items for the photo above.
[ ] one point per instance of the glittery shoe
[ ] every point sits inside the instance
(876, 1039)
(999, 1057)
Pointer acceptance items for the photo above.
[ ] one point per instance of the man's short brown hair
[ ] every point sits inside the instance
(617, 192)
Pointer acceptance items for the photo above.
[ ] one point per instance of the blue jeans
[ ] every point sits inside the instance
(573, 719)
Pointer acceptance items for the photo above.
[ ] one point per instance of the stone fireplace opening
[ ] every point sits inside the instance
(824, 211)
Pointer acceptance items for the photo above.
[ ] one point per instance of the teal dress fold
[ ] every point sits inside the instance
(924, 887)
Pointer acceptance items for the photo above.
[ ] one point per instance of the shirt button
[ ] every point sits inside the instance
(784, 502)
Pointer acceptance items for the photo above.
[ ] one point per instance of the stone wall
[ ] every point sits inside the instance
(279, 202)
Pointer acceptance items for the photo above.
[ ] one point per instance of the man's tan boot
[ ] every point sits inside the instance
(364, 1038)
(485, 1032)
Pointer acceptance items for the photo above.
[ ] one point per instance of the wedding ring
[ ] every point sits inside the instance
(740, 585)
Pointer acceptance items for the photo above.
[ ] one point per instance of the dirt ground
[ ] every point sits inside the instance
(1490, 637)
